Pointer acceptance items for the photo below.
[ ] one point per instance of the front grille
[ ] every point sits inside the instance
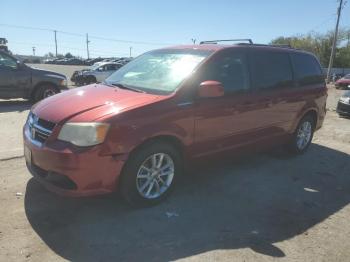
(39, 129)
(46, 124)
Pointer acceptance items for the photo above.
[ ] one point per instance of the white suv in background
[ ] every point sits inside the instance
(96, 73)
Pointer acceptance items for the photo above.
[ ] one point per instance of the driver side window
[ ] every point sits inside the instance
(7, 62)
(231, 69)
(101, 69)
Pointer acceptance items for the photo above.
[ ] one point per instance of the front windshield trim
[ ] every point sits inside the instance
(138, 70)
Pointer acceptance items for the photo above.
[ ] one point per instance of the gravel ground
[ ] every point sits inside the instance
(257, 208)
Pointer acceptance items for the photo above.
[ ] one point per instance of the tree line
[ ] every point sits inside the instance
(321, 45)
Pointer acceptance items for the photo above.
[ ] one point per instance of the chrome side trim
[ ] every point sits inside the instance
(184, 104)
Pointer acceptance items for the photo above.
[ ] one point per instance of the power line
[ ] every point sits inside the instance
(70, 48)
(26, 27)
(83, 35)
(128, 41)
(323, 22)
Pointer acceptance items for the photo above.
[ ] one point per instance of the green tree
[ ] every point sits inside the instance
(320, 45)
(49, 54)
(68, 55)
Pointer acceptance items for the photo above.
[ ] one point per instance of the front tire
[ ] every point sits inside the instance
(303, 135)
(150, 174)
(44, 91)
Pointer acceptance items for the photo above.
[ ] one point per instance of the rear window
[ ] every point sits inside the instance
(270, 69)
(307, 69)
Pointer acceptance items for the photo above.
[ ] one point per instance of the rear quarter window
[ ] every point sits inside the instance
(307, 69)
(270, 69)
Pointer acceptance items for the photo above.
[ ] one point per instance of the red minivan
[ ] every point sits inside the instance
(135, 131)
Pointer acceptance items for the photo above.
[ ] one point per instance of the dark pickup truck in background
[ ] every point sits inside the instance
(18, 80)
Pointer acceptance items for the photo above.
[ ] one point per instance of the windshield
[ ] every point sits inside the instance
(95, 66)
(159, 71)
(347, 76)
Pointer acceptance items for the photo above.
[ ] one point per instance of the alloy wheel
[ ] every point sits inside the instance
(155, 175)
(48, 92)
(304, 135)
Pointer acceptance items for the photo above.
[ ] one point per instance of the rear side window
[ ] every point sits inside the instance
(110, 67)
(307, 69)
(270, 69)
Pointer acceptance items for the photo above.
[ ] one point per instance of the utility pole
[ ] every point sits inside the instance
(130, 50)
(334, 43)
(87, 46)
(55, 41)
(33, 50)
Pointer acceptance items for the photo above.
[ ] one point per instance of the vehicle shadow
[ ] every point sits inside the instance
(252, 202)
(14, 106)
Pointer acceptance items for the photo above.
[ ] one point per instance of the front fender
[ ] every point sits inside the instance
(131, 129)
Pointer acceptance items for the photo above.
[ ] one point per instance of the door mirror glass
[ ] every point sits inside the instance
(211, 89)
(20, 65)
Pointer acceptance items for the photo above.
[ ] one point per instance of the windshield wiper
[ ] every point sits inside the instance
(121, 86)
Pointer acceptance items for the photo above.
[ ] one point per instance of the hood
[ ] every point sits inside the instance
(91, 102)
(46, 72)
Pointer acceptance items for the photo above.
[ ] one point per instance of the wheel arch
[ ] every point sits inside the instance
(312, 112)
(169, 139)
(40, 84)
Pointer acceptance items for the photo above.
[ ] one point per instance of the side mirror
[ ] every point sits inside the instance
(20, 65)
(211, 89)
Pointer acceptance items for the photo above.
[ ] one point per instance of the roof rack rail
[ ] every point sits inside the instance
(280, 46)
(284, 45)
(226, 40)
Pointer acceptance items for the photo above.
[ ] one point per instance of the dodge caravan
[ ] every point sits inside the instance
(134, 132)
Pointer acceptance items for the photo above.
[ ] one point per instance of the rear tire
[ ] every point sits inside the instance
(144, 180)
(303, 135)
(44, 91)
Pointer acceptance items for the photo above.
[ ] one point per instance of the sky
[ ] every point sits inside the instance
(152, 24)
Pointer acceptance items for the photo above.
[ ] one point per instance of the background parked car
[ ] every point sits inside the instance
(97, 73)
(343, 83)
(18, 80)
(92, 61)
(343, 108)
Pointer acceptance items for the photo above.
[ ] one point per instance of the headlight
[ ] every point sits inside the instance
(30, 118)
(345, 100)
(84, 134)
(63, 82)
